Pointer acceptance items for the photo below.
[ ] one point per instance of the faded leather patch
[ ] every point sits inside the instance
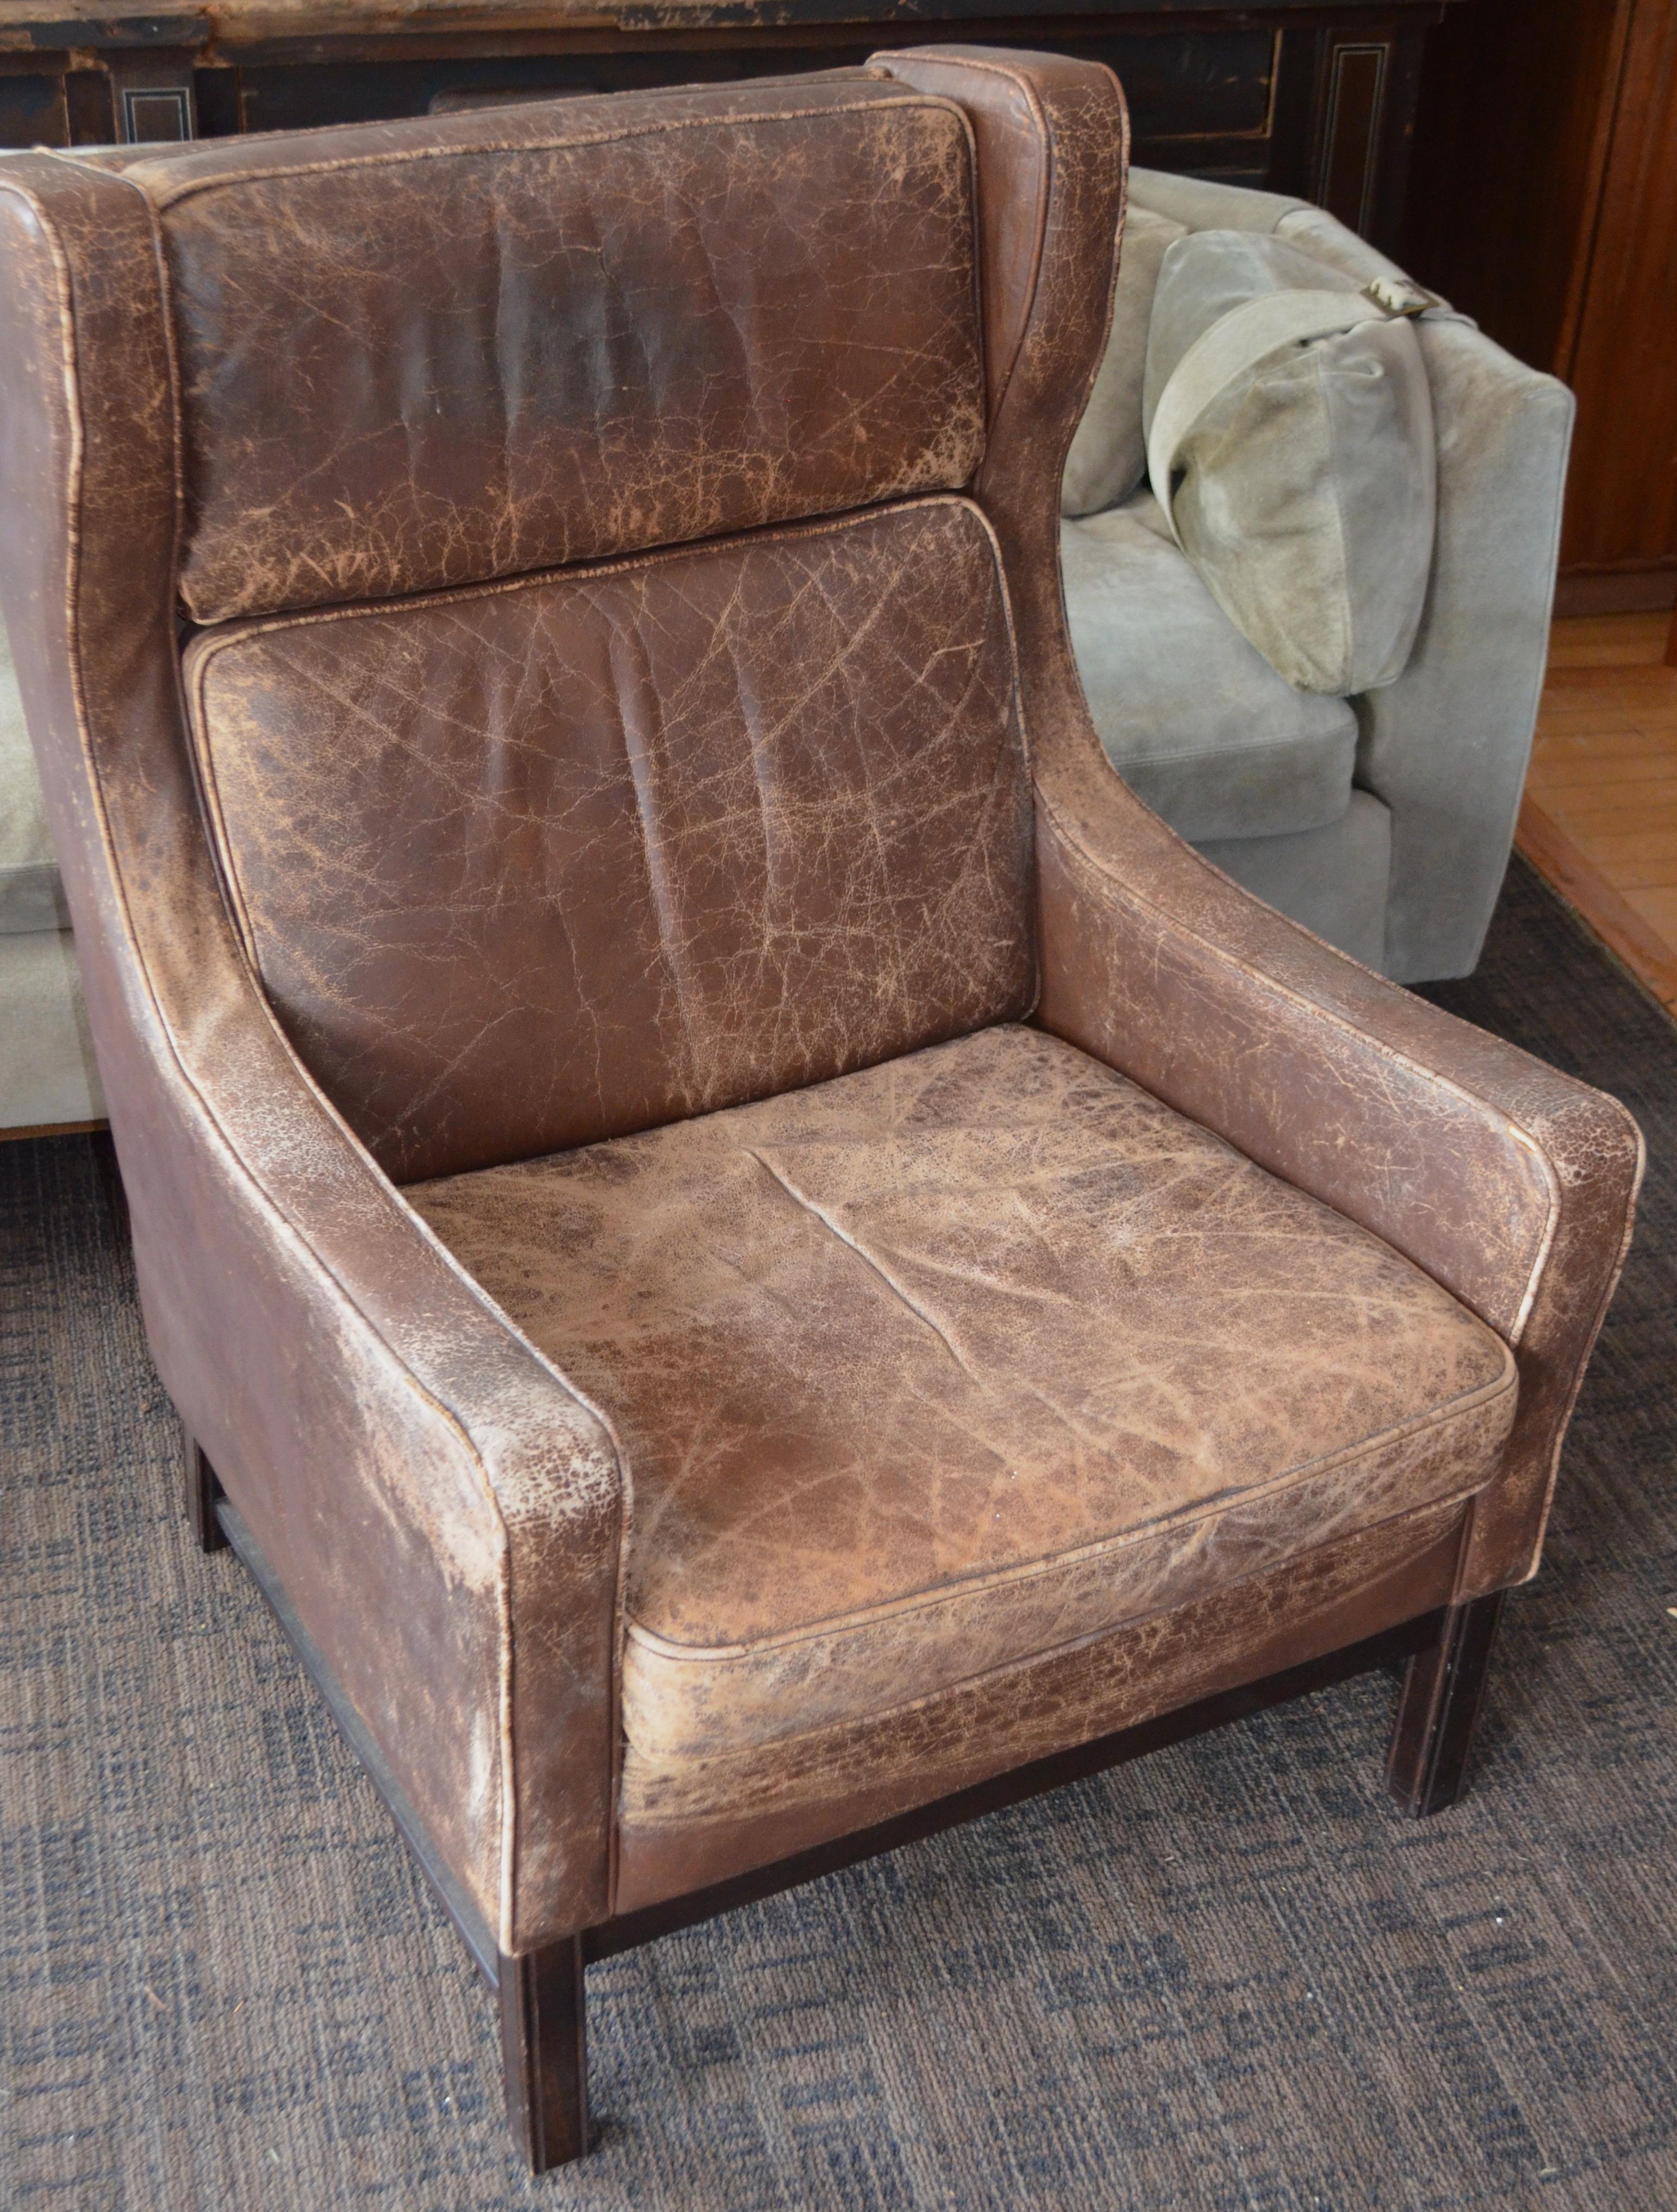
(540, 863)
(444, 363)
(684, 1822)
(958, 1360)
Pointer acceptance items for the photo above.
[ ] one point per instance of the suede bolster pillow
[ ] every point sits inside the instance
(1289, 440)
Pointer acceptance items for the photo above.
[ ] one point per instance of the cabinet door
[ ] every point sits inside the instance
(1621, 512)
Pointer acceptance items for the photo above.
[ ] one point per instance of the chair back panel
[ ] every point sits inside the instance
(416, 357)
(533, 864)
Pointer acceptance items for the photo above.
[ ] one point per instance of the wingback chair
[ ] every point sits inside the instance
(756, 1256)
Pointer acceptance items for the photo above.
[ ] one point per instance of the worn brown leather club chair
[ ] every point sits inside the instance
(763, 1259)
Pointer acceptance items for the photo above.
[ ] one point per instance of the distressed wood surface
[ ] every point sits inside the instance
(31, 25)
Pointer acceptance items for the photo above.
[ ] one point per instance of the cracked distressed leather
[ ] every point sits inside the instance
(589, 853)
(687, 1821)
(962, 1359)
(543, 636)
(504, 345)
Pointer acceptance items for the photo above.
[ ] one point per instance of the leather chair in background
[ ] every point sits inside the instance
(762, 1258)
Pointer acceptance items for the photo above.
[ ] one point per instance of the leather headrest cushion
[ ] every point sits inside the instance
(427, 353)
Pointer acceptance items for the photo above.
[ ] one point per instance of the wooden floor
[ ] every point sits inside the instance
(1600, 817)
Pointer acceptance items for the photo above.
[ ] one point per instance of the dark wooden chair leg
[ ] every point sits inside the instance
(202, 1492)
(1427, 1768)
(545, 2052)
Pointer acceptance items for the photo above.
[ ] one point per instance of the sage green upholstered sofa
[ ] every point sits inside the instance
(47, 1077)
(1384, 822)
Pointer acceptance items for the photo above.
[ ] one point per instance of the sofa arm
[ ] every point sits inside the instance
(444, 1512)
(1509, 1184)
(1446, 747)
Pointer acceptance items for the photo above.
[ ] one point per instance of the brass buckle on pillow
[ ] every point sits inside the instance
(1396, 296)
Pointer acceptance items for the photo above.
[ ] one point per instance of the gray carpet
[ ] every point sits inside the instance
(1227, 1977)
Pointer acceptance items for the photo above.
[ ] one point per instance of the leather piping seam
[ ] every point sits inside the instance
(574, 1390)
(905, 493)
(221, 844)
(1173, 925)
(1101, 350)
(1022, 82)
(219, 637)
(208, 798)
(171, 354)
(490, 1311)
(488, 1308)
(279, 1218)
(1002, 1668)
(212, 636)
(575, 142)
(1418, 1426)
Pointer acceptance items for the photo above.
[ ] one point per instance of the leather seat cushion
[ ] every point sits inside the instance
(1192, 716)
(957, 1359)
(683, 1822)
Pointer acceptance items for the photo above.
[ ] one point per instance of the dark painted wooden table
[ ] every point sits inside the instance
(1316, 97)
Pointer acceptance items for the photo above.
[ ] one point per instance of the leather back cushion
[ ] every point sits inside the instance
(498, 343)
(537, 863)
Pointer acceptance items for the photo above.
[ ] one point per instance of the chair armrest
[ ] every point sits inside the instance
(444, 1512)
(447, 1514)
(1511, 1184)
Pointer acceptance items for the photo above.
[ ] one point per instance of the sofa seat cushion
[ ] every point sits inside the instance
(48, 1079)
(1192, 716)
(955, 1360)
(32, 898)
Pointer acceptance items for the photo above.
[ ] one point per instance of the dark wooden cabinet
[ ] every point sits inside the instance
(1544, 203)
(1299, 95)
